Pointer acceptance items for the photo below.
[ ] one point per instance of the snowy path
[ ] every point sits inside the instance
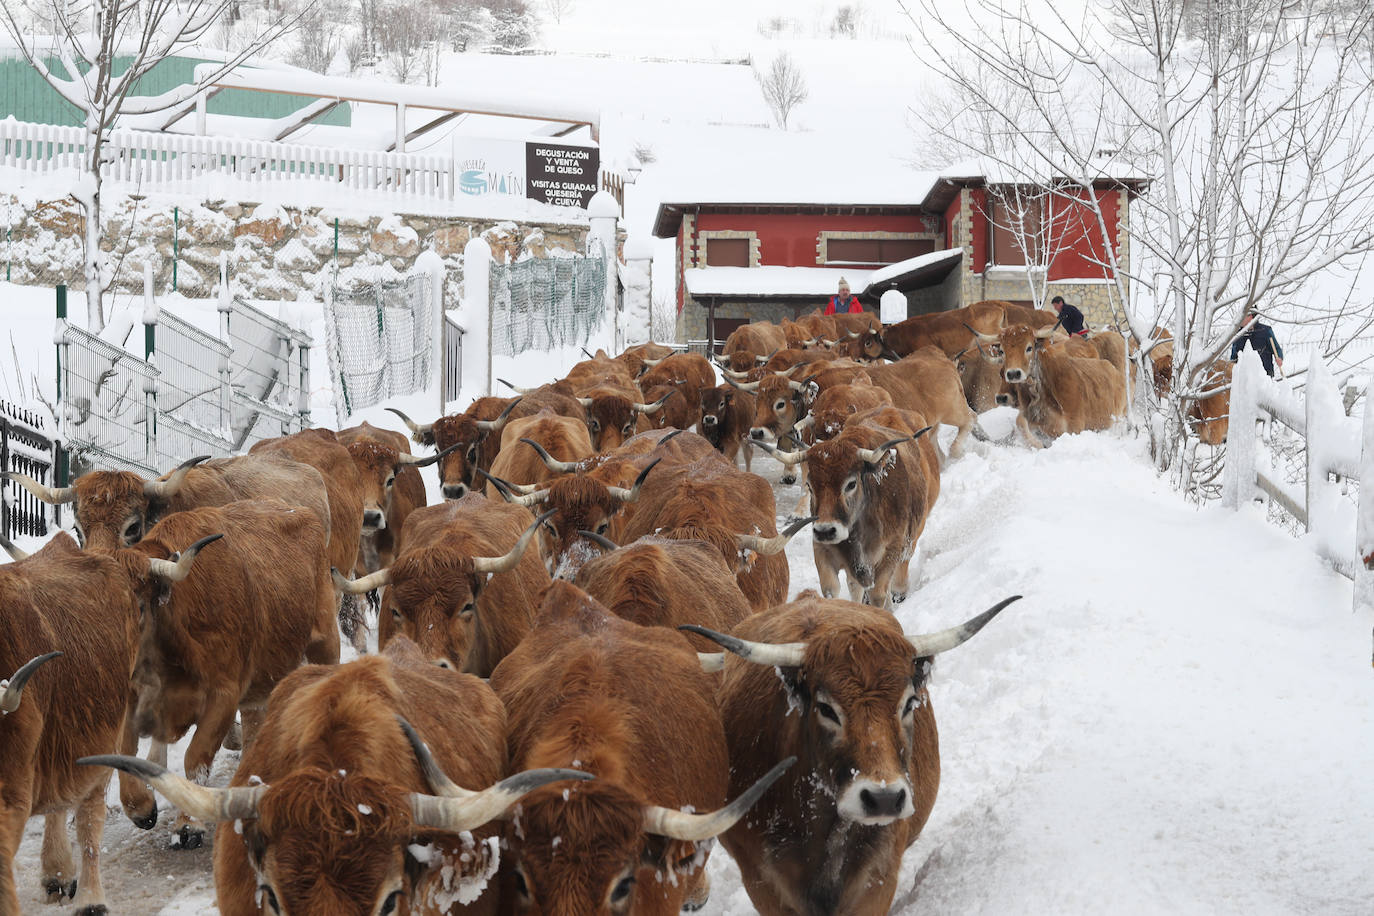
(1177, 718)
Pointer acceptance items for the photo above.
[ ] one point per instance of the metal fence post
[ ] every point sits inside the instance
(150, 357)
(303, 393)
(176, 247)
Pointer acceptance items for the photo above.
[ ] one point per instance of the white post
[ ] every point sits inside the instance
(476, 319)
(1242, 443)
(1364, 518)
(201, 119)
(1324, 418)
(603, 213)
(400, 127)
(432, 266)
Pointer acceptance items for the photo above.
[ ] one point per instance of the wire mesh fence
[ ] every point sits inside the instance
(542, 304)
(106, 404)
(192, 394)
(268, 367)
(381, 337)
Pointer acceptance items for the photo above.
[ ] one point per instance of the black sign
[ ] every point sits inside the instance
(561, 175)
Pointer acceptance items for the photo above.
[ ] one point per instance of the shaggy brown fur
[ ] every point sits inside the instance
(389, 487)
(562, 437)
(726, 415)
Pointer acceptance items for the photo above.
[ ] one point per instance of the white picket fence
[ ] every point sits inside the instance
(148, 157)
(1339, 453)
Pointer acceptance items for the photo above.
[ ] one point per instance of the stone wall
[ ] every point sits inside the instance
(274, 252)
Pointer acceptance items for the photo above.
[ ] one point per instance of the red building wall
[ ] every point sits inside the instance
(789, 239)
(978, 228)
(1082, 253)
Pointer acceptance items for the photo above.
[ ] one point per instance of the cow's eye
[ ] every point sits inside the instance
(629, 429)
(467, 610)
(780, 405)
(132, 531)
(389, 906)
(521, 887)
(472, 453)
(622, 890)
(396, 614)
(826, 711)
(910, 707)
(390, 481)
(593, 425)
(270, 897)
(603, 527)
(851, 485)
(1031, 347)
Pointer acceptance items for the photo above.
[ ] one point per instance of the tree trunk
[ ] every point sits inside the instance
(95, 258)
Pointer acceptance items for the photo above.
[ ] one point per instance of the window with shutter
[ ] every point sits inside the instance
(727, 252)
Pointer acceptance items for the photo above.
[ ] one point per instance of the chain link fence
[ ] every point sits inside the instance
(542, 304)
(380, 339)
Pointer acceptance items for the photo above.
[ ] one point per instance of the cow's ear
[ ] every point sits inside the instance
(797, 691)
(920, 670)
(254, 843)
(682, 857)
(810, 392)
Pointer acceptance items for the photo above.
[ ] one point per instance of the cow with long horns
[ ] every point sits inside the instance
(519, 463)
(392, 489)
(751, 343)
(223, 621)
(62, 602)
(689, 373)
(465, 441)
(727, 413)
(1061, 393)
(842, 688)
(464, 588)
(632, 706)
(339, 806)
(872, 488)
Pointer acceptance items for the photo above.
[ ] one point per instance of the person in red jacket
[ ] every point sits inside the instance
(843, 302)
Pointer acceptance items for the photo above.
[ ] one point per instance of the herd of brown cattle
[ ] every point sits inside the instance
(549, 725)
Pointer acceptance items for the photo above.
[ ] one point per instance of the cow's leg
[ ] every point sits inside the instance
(90, 826)
(59, 873)
(15, 797)
(233, 741)
(138, 801)
(857, 592)
(880, 592)
(900, 586)
(200, 758)
(323, 648)
(748, 450)
(252, 722)
(956, 448)
(827, 573)
(1026, 432)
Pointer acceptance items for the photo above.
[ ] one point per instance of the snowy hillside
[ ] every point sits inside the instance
(1174, 719)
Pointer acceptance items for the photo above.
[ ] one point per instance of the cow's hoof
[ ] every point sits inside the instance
(233, 739)
(898, 597)
(57, 889)
(189, 838)
(95, 909)
(789, 478)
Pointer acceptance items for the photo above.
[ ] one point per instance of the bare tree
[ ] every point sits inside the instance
(404, 32)
(559, 8)
(97, 53)
(783, 87)
(1257, 141)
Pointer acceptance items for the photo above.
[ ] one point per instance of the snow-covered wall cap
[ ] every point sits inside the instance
(603, 205)
(639, 247)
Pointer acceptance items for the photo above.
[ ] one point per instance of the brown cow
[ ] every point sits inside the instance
(114, 508)
(820, 326)
(631, 705)
(1063, 393)
(465, 441)
(463, 589)
(334, 801)
(636, 358)
(667, 582)
(392, 489)
(712, 500)
(61, 601)
(690, 373)
(218, 635)
(748, 342)
(928, 383)
(1109, 345)
(562, 437)
(321, 449)
(829, 837)
(949, 331)
(676, 412)
(1210, 416)
(834, 406)
(727, 413)
(598, 494)
(872, 489)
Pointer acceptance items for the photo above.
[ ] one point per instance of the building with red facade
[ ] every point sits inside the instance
(955, 240)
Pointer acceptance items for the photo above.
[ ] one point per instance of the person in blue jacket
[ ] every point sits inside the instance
(1259, 337)
(1070, 318)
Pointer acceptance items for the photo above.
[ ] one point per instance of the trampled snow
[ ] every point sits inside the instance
(1174, 719)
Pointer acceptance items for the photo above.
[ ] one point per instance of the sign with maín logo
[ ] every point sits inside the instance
(561, 174)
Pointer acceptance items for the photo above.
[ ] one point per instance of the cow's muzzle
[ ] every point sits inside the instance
(830, 532)
(875, 803)
(373, 521)
(455, 490)
(760, 434)
(1014, 375)
(708, 420)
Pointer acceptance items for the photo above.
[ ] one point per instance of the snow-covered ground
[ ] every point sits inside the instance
(1175, 719)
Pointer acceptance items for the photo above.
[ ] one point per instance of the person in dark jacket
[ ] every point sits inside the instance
(843, 302)
(1259, 337)
(1070, 318)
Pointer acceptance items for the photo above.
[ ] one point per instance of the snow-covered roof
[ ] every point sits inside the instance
(934, 262)
(763, 282)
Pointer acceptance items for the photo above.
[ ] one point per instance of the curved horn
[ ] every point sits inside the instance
(679, 825)
(238, 803)
(370, 582)
(732, 374)
(943, 641)
(984, 338)
(805, 423)
(418, 461)
(763, 360)
(632, 494)
(15, 553)
(492, 565)
(420, 433)
(768, 546)
(853, 335)
(53, 496)
(489, 426)
(668, 438)
(585, 402)
(874, 455)
(652, 362)
(552, 463)
(14, 687)
(527, 495)
(599, 540)
(585, 353)
(179, 567)
(166, 489)
(655, 407)
(750, 387)
(787, 458)
(515, 389)
(783, 655)
(1045, 333)
(796, 386)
